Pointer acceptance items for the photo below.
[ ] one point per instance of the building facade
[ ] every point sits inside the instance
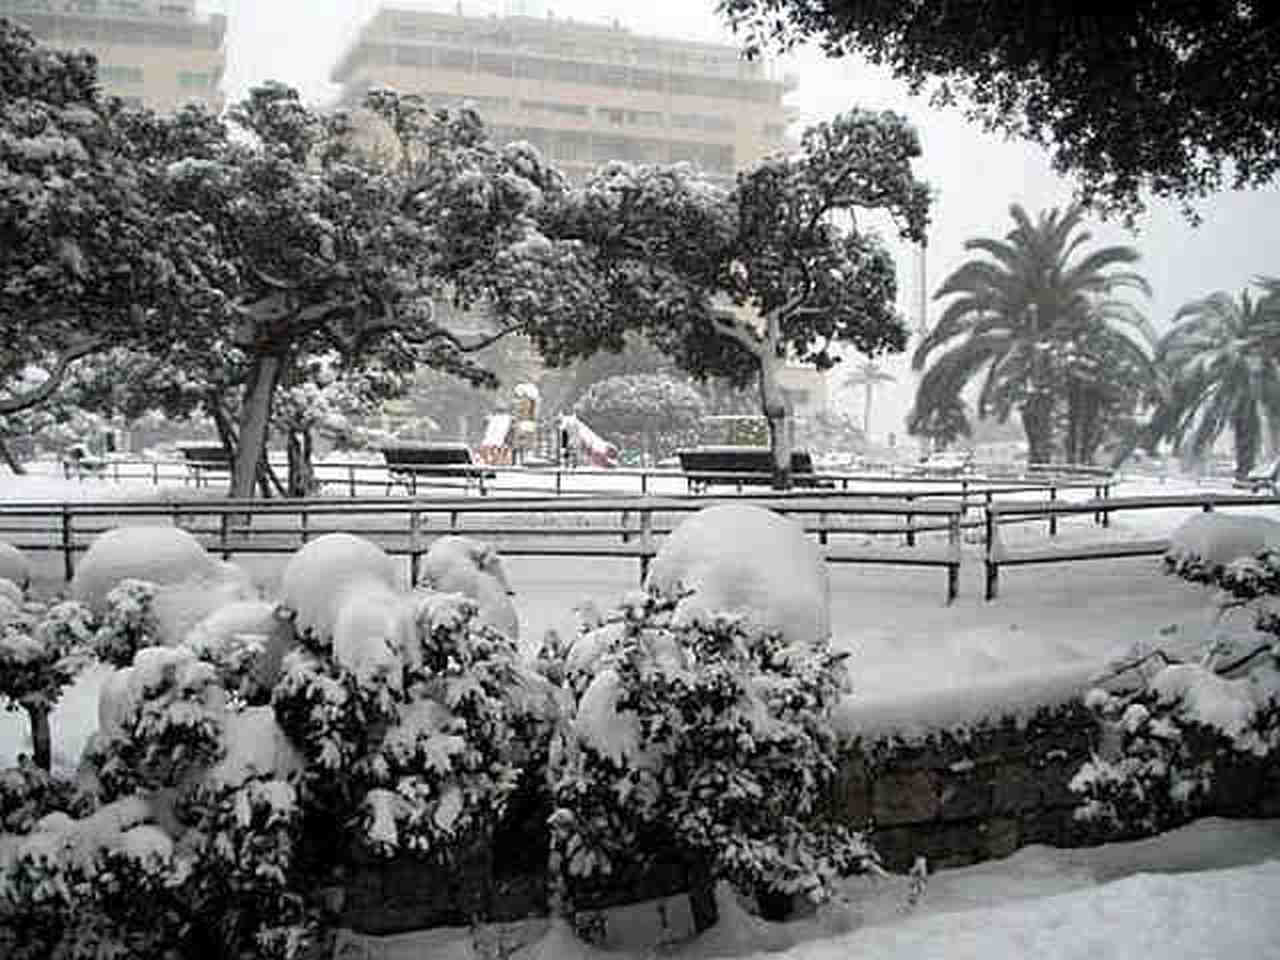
(160, 54)
(583, 94)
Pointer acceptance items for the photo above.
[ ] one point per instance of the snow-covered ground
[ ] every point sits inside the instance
(1205, 892)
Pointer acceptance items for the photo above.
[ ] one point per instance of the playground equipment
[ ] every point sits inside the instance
(508, 438)
(580, 444)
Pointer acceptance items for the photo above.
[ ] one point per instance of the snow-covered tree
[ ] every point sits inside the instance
(659, 409)
(776, 269)
(89, 256)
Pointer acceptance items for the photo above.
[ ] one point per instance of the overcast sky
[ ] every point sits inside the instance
(975, 176)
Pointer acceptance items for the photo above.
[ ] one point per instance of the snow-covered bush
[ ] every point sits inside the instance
(745, 559)
(426, 749)
(710, 740)
(1203, 545)
(127, 624)
(1173, 739)
(1173, 733)
(155, 554)
(474, 569)
(42, 648)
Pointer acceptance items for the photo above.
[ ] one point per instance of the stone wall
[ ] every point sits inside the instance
(960, 796)
(965, 795)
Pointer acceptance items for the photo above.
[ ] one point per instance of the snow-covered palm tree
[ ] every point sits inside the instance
(1224, 374)
(1011, 314)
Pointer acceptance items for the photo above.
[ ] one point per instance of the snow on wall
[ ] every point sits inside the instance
(1015, 696)
(739, 558)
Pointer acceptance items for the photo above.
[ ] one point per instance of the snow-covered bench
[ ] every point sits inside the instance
(742, 466)
(408, 462)
(205, 459)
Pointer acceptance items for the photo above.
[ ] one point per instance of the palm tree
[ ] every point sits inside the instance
(1012, 311)
(1221, 362)
(868, 374)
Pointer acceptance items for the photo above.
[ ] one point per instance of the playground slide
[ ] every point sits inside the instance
(596, 450)
(496, 431)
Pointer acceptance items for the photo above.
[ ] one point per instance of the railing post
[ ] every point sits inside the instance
(558, 481)
(644, 481)
(415, 533)
(155, 473)
(991, 559)
(304, 523)
(646, 541)
(911, 522)
(1106, 514)
(1053, 517)
(68, 569)
(224, 523)
(351, 479)
(626, 515)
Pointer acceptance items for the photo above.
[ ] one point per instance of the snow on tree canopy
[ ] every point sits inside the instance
(317, 579)
(739, 558)
(157, 554)
(1215, 539)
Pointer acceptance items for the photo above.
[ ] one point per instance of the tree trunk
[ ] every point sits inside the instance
(1037, 422)
(302, 472)
(255, 419)
(41, 740)
(14, 463)
(774, 406)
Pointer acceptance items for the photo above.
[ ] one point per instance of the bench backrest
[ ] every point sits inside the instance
(428, 455)
(739, 460)
(205, 454)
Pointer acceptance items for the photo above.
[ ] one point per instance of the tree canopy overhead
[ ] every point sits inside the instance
(1136, 98)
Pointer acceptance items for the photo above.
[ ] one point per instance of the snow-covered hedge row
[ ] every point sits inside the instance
(235, 775)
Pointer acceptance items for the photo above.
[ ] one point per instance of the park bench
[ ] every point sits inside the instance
(1262, 479)
(205, 459)
(408, 463)
(743, 466)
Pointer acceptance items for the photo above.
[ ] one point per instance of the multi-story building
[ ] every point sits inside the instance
(585, 94)
(581, 93)
(155, 53)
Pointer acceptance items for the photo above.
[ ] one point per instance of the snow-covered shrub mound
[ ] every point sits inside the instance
(10, 597)
(430, 744)
(14, 566)
(247, 642)
(318, 578)
(155, 554)
(709, 740)
(740, 558)
(474, 569)
(1172, 739)
(1207, 542)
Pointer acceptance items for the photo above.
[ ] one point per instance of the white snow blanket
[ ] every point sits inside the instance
(1215, 539)
(744, 559)
(14, 566)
